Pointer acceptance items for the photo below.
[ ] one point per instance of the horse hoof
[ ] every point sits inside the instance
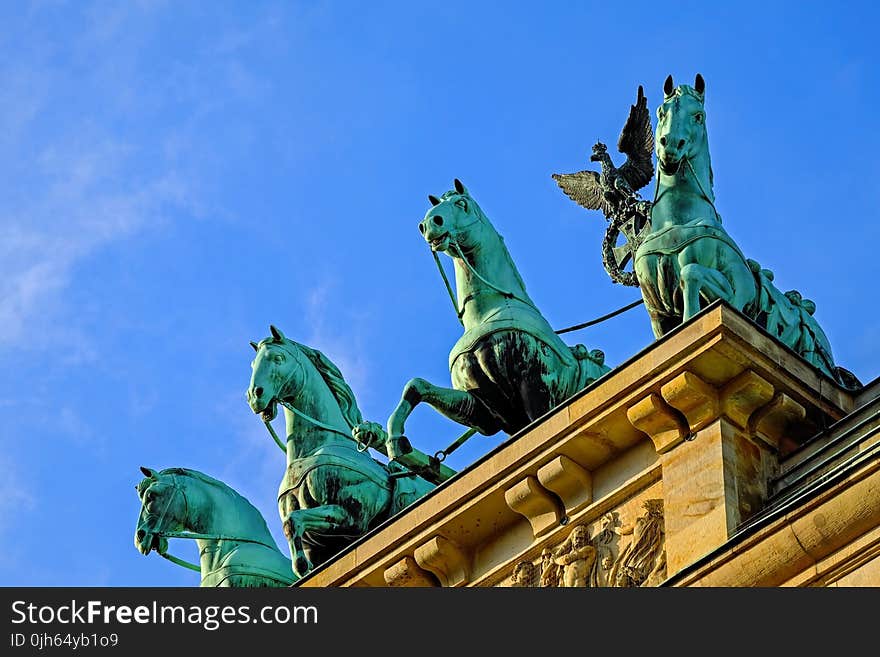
(301, 566)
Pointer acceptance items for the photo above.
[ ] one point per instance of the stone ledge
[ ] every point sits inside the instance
(717, 366)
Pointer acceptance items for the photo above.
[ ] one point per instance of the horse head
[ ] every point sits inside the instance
(275, 370)
(163, 509)
(450, 220)
(681, 125)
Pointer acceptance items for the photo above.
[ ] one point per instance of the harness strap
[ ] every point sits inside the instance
(308, 418)
(458, 313)
(179, 561)
(192, 535)
(504, 293)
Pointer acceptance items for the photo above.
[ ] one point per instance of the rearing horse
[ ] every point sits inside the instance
(332, 491)
(687, 260)
(509, 367)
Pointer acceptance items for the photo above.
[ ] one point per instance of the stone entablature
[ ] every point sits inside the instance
(640, 479)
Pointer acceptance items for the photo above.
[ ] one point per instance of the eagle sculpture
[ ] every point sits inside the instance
(611, 188)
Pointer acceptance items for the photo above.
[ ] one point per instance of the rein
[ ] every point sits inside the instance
(305, 416)
(361, 447)
(511, 295)
(192, 535)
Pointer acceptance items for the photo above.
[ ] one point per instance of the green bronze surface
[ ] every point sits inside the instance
(509, 367)
(333, 491)
(686, 259)
(235, 546)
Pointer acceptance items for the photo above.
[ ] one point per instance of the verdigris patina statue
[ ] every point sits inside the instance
(509, 367)
(683, 258)
(614, 190)
(332, 491)
(235, 546)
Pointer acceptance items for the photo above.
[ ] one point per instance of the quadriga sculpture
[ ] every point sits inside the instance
(235, 546)
(687, 259)
(332, 491)
(509, 367)
(683, 258)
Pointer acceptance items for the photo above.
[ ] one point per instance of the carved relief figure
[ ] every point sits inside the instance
(605, 543)
(550, 570)
(643, 561)
(576, 557)
(525, 575)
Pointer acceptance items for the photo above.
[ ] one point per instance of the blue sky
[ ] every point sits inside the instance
(177, 176)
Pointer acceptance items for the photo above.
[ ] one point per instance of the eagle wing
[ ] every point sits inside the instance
(584, 189)
(637, 143)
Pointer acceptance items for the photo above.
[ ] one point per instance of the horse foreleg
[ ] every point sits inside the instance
(327, 519)
(696, 281)
(458, 405)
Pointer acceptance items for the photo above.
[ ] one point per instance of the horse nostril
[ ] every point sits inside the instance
(680, 144)
(663, 141)
(140, 534)
(438, 220)
(421, 228)
(258, 392)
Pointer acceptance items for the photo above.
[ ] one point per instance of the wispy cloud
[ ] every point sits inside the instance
(100, 142)
(76, 181)
(16, 497)
(342, 344)
(84, 206)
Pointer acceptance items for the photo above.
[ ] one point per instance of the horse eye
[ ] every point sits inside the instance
(462, 204)
(279, 358)
(698, 118)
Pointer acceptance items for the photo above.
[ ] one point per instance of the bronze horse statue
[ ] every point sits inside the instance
(235, 546)
(509, 367)
(332, 491)
(686, 259)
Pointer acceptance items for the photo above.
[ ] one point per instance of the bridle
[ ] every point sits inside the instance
(178, 489)
(685, 160)
(453, 244)
(293, 409)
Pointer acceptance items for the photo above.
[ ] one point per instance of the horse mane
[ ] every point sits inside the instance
(342, 392)
(207, 479)
(449, 194)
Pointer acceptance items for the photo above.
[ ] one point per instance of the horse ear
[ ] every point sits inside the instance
(459, 187)
(276, 334)
(255, 346)
(151, 474)
(668, 86)
(699, 84)
(434, 200)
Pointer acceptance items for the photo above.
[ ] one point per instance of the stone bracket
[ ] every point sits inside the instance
(569, 481)
(694, 398)
(744, 395)
(538, 505)
(665, 425)
(407, 572)
(445, 559)
(771, 422)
